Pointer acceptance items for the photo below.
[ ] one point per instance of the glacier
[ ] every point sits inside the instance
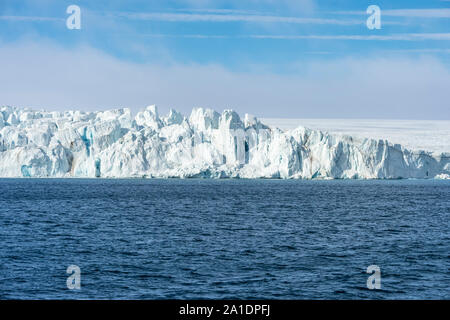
(207, 144)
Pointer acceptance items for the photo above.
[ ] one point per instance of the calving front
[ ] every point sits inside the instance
(205, 144)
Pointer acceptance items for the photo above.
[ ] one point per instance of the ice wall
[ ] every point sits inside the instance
(206, 144)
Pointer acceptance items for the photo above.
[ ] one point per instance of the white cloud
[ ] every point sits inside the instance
(46, 76)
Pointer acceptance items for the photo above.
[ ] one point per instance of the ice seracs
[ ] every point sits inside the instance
(206, 144)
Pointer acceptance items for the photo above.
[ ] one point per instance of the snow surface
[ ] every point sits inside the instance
(429, 135)
(206, 144)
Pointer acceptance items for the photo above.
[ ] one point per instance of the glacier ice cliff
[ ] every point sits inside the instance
(206, 144)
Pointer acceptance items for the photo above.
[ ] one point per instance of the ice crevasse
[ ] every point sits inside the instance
(114, 144)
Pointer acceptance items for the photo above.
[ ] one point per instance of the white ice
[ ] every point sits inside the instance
(205, 144)
(429, 135)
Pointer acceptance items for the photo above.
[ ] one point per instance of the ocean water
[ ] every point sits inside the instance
(244, 239)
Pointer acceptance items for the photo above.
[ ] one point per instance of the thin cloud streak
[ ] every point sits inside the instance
(407, 13)
(195, 17)
(30, 18)
(219, 11)
(421, 50)
(392, 37)
(419, 13)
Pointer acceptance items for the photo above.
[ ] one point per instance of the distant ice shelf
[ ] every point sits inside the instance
(416, 135)
(114, 144)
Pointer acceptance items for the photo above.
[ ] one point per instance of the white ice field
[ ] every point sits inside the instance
(429, 135)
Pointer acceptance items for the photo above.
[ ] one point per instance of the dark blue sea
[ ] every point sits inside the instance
(205, 239)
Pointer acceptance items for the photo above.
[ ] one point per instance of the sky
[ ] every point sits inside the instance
(270, 58)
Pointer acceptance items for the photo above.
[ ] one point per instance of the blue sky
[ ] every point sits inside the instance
(303, 58)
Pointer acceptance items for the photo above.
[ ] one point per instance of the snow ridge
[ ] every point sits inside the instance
(113, 144)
